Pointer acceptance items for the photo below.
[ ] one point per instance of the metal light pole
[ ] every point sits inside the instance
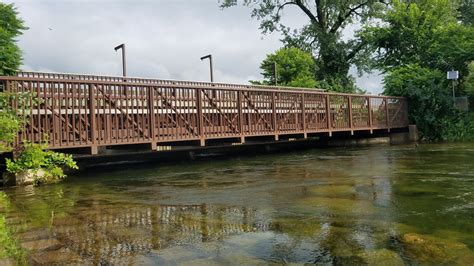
(210, 65)
(124, 62)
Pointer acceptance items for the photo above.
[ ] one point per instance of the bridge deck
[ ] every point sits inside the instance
(74, 111)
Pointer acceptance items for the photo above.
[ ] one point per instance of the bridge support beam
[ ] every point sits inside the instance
(94, 149)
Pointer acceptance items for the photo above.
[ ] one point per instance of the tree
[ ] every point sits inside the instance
(466, 11)
(469, 84)
(424, 32)
(10, 59)
(406, 32)
(429, 102)
(322, 35)
(295, 68)
(11, 26)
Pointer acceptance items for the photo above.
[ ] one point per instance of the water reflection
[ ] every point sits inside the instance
(336, 206)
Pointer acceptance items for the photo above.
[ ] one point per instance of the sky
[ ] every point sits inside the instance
(164, 39)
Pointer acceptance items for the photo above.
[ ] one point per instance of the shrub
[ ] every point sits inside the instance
(35, 157)
(430, 104)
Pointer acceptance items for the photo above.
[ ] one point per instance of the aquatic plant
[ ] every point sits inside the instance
(9, 245)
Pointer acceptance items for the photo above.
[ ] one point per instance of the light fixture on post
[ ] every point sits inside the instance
(210, 65)
(124, 62)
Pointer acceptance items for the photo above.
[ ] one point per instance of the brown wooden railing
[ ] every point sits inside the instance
(73, 111)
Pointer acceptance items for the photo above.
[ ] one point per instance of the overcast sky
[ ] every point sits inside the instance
(164, 39)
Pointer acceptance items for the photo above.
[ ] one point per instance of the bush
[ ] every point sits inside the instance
(430, 103)
(35, 157)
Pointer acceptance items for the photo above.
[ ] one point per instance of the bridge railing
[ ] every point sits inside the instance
(73, 111)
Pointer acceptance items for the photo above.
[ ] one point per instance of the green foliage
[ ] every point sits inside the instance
(322, 35)
(295, 68)
(35, 157)
(10, 27)
(407, 31)
(466, 11)
(469, 81)
(10, 119)
(424, 32)
(430, 103)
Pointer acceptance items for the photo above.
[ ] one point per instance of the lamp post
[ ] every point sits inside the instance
(210, 65)
(124, 62)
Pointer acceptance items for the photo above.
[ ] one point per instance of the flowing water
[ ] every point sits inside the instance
(389, 205)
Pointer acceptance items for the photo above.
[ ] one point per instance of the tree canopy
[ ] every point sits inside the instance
(11, 26)
(295, 68)
(322, 35)
(424, 32)
(414, 43)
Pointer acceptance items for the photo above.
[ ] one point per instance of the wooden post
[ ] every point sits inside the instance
(369, 107)
(202, 140)
(328, 114)
(151, 120)
(92, 123)
(303, 116)
(349, 102)
(274, 116)
(241, 117)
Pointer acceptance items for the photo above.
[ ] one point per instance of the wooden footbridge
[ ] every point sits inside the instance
(84, 111)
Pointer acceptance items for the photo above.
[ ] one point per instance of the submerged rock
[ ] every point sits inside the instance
(339, 206)
(296, 227)
(41, 245)
(381, 257)
(337, 191)
(430, 249)
(61, 256)
(7, 262)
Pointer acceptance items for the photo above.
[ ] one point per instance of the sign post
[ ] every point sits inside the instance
(453, 75)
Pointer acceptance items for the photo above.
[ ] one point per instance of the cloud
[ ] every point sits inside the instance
(164, 38)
